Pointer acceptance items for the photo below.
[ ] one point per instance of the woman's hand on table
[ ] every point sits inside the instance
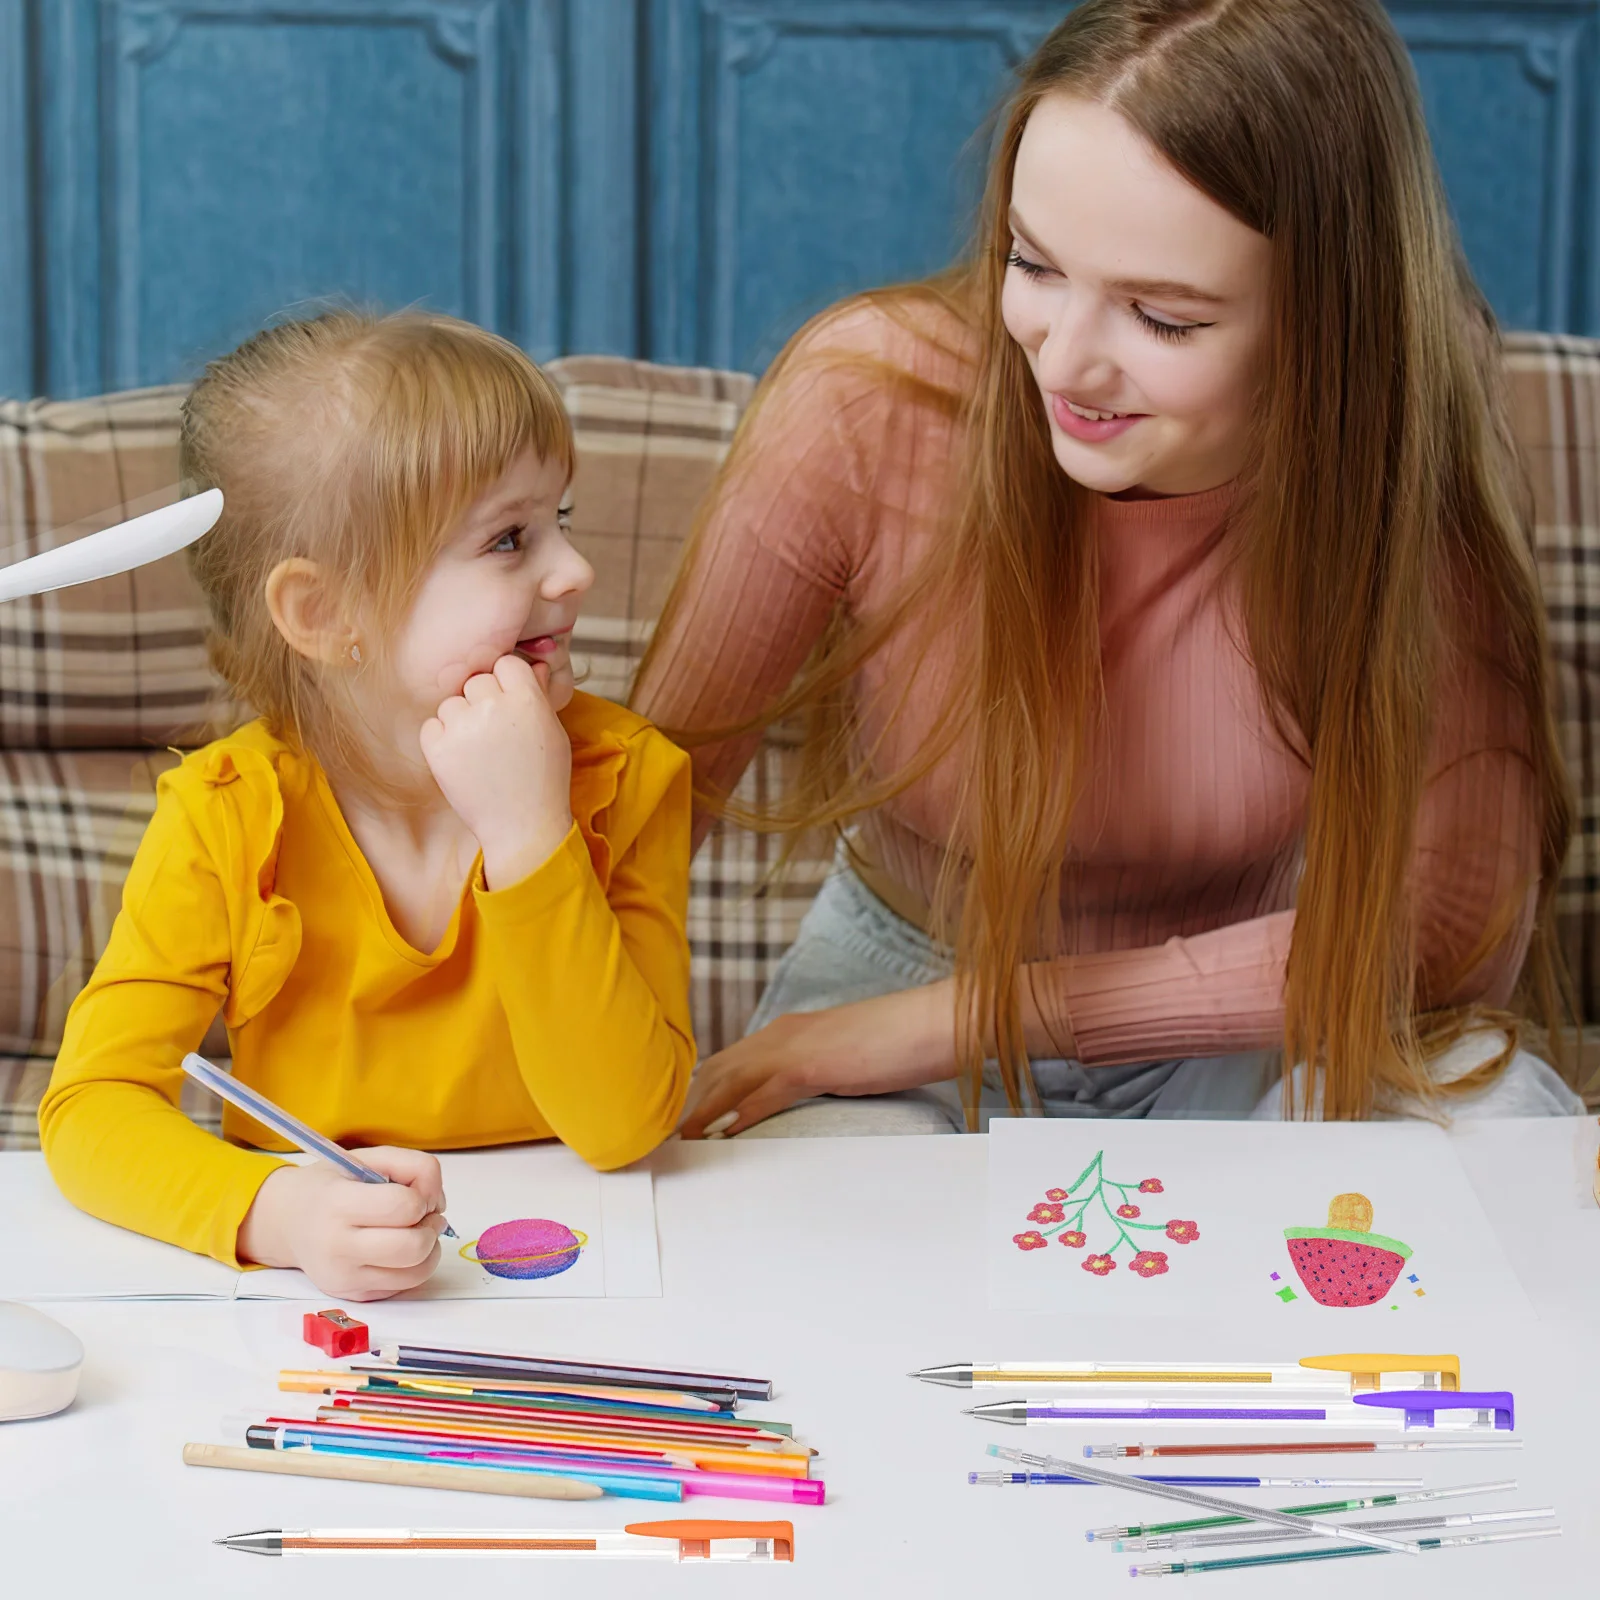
(891, 1042)
(355, 1241)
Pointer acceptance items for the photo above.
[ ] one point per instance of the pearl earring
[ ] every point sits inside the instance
(355, 654)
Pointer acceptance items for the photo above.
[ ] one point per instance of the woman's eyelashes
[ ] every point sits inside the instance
(1164, 330)
(508, 542)
(1161, 330)
(1031, 269)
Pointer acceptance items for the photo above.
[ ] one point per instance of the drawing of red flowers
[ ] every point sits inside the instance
(1101, 1216)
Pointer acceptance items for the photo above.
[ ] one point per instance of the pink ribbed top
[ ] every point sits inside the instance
(1177, 915)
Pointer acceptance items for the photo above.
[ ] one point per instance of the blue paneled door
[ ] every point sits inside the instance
(203, 164)
(684, 179)
(807, 147)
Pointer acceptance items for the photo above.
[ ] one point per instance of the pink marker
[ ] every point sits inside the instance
(717, 1485)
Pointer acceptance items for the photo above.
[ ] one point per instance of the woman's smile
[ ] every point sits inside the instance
(1089, 425)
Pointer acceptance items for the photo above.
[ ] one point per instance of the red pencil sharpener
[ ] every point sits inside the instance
(335, 1332)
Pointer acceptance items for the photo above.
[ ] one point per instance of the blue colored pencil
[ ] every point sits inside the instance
(624, 1485)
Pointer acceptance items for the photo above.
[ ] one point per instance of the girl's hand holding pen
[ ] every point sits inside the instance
(355, 1241)
(503, 761)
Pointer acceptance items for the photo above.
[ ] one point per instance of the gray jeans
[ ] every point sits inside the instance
(851, 946)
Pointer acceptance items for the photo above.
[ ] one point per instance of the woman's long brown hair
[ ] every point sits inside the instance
(1379, 526)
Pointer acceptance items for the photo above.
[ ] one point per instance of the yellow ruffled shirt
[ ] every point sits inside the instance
(557, 1006)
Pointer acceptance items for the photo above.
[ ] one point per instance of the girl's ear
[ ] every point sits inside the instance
(304, 604)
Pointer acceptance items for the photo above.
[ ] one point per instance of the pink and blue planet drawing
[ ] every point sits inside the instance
(530, 1247)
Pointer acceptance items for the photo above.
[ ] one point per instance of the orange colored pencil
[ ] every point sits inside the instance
(774, 1463)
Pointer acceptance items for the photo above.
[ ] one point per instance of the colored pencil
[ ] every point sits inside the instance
(783, 1464)
(642, 1419)
(295, 1381)
(724, 1401)
(620, 1457)
(607, 1472)
(410, 1474)
(598, 1423)
(429, 1358)
(628, 1486)
(562, 1429)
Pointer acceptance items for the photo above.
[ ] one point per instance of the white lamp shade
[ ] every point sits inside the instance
(129, 544)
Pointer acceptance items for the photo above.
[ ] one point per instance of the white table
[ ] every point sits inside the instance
(836, 1291)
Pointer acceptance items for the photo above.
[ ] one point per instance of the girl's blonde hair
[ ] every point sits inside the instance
(354, 441)
(1381, 524)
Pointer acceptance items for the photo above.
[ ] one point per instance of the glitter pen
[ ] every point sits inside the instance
(1200, 1481)
(1322, 1508)
(1163, 1569)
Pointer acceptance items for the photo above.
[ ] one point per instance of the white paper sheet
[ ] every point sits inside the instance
(1064, 1196)
(59, 1253)
(49, 1250)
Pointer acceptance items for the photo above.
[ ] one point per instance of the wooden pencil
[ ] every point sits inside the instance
(473, 1480)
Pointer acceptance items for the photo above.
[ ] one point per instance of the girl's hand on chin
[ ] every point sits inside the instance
(503, 761)
(877, 1046)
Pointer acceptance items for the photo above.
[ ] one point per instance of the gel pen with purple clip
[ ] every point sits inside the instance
(227, 1087)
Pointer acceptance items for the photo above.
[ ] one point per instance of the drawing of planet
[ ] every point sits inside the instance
(532, 1247)
(1345, 1263)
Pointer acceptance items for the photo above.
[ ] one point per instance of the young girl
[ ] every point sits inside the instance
(438, 895)
(1160, 590)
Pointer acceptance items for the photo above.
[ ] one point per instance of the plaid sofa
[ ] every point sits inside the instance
(97, 683)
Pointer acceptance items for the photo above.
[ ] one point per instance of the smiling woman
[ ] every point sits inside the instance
(1147, 381)
(1157, 592)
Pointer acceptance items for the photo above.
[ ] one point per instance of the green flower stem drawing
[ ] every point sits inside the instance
(1096, 1170)
(1064, 1212)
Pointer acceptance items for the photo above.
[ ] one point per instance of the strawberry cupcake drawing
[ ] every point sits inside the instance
(1345, 1263)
